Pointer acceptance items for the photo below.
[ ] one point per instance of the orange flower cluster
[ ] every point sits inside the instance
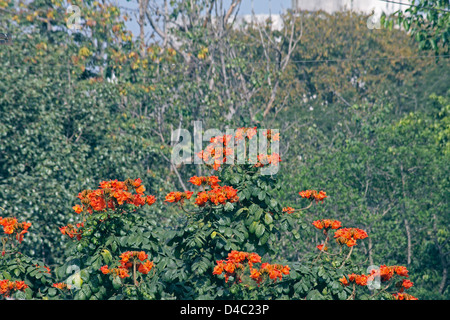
(61, 286)
(349, 236)
(237, 261)
(403, 296)
(327, 224)
(405, 284)
(221, 147)
(8, 287)
(114, 193)
(212, 181)
(313, 195)
(264, 159)
(274, 271)
(360, 280)
(288, 210)
(12, 226)
(385, 273)
(178, 196)
(217, 151)
(127, 260)
(72, 231)
(217, 195)
(242, 133)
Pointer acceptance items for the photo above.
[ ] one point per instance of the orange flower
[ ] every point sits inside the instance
(122, 272)
(235, 265)
(138, 200)
(254, 258)
(386, 273)
(177, 196)
(77, 208)
(305, 194)
(125, 257)
(285, 270)
(145, 267)
(104, 269)
(196, 180)
(121, 196)
(349, 236)
(218, 195)
(137, 183)
(313, 195)
(7, 287)
(229, 267)
(401, 271)
(327, 224)
(140, 189)
(264, 159)
(129, 259)
(403, 296)
(344, 281)
(351, 242)
(61, 286)
(9, 225)
(111, 194)
(320, 196)
(150, 200)
(71, 231)
(361, 280)
(213, 181)
(288, 210)
(12, 226)
(142, 256)
(201, 199)
(173, 196)
(255, 274)
(406, 284)
(251, 132)
(218, 269)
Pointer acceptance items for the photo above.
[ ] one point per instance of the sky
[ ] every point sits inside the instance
(275, 7)
(259, 7)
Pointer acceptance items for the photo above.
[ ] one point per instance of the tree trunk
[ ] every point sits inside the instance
(405, 211)
(408, 235)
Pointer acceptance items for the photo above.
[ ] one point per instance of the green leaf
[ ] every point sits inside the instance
(264, 238)
(268, 218)
(258, 214)
(229, 206)
(117, 283)
(259, 231)
(342, 295)
(52, 292)
(253, 226)
(6, 275)
(17, 272)
(261, 195)
(273, 203)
